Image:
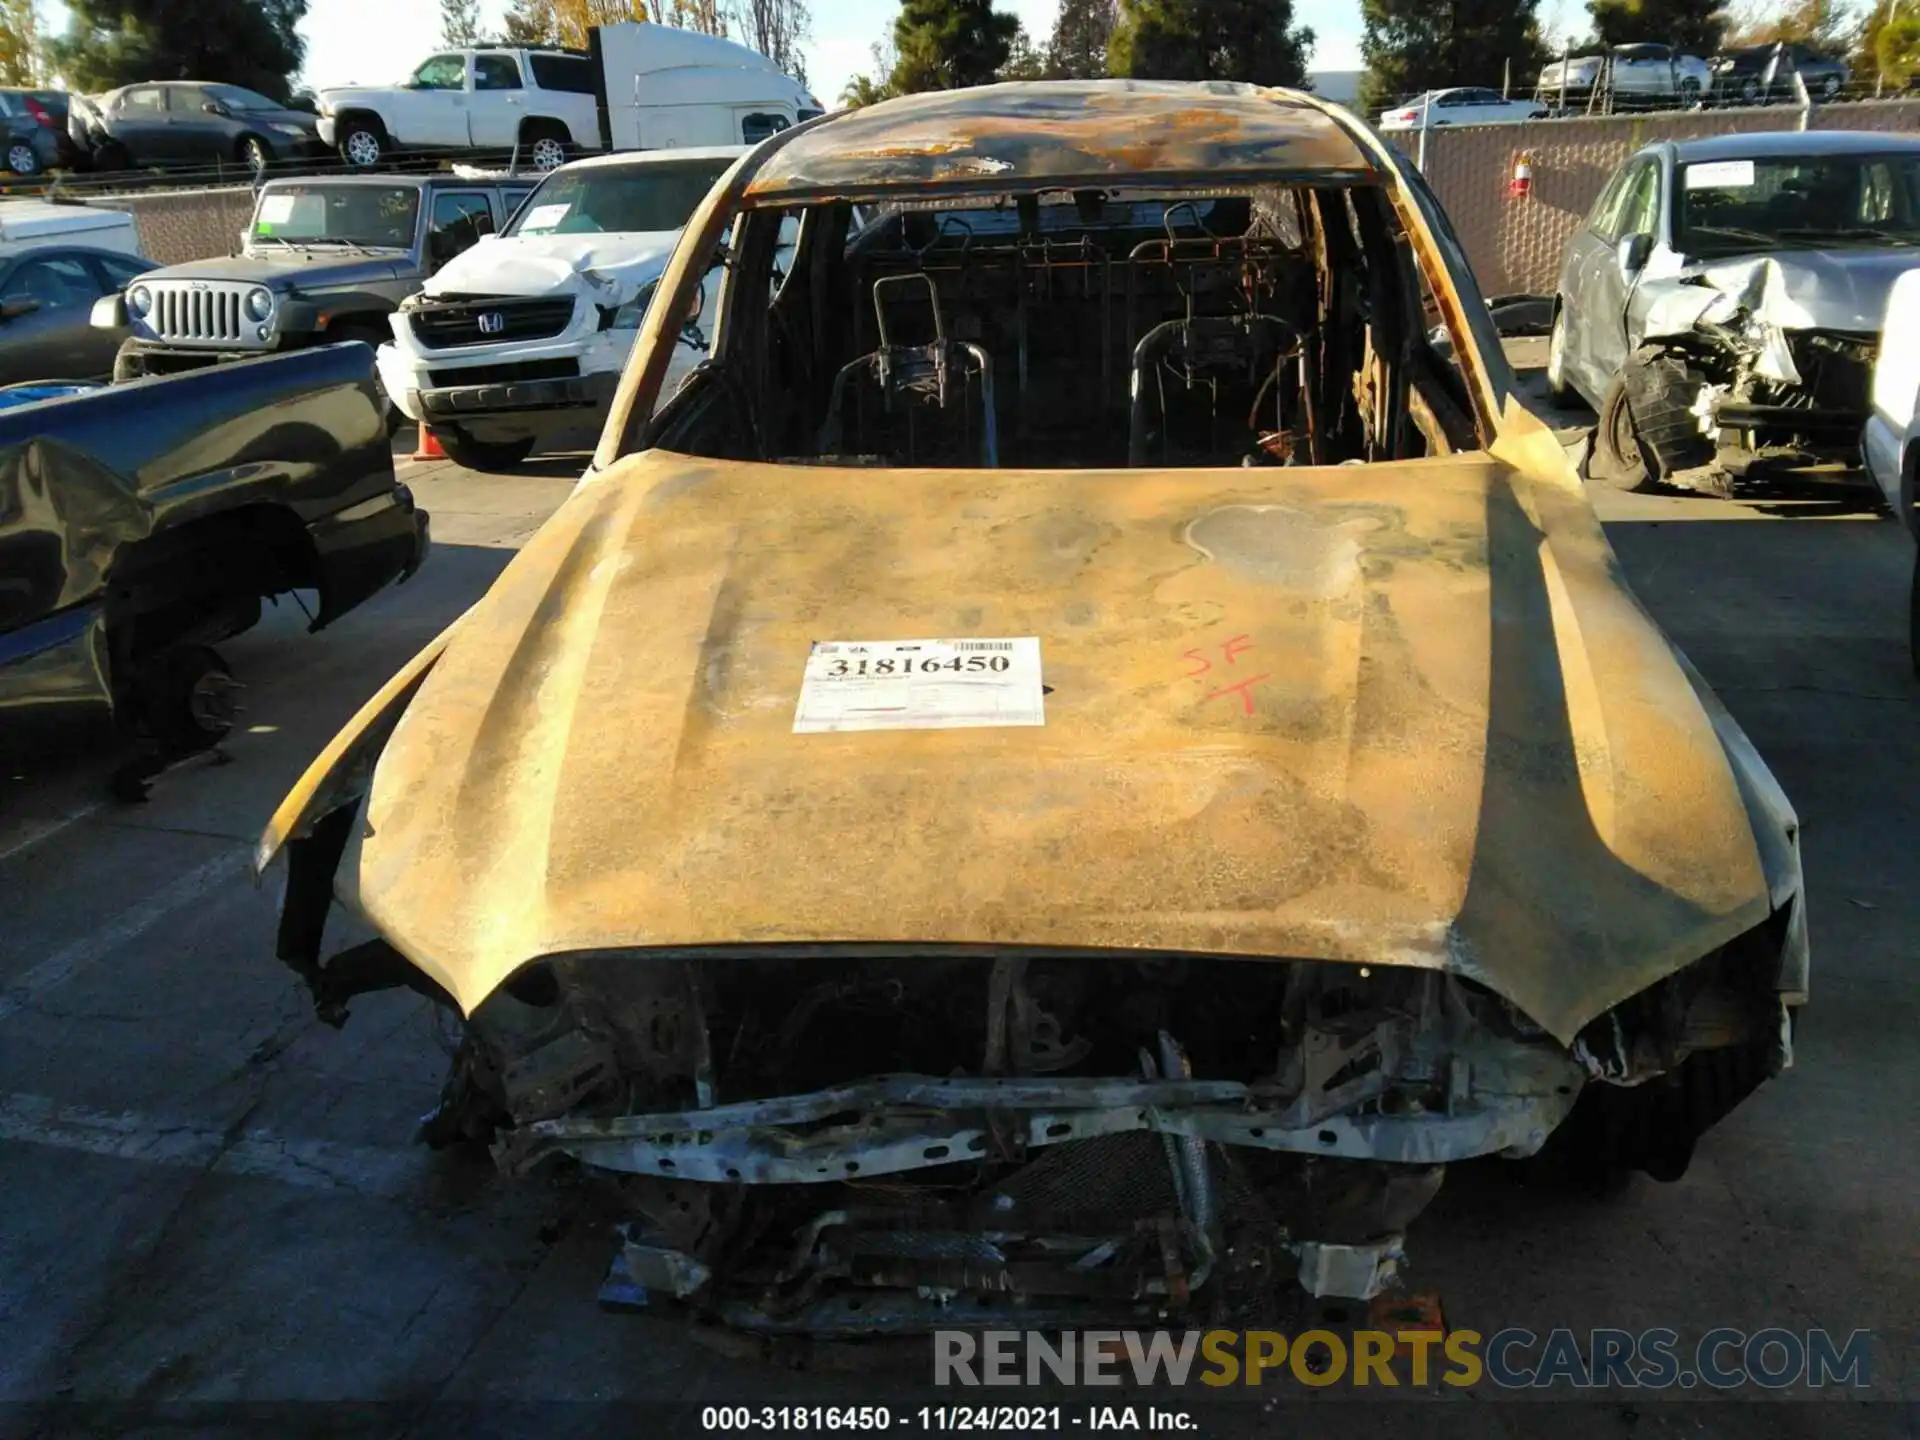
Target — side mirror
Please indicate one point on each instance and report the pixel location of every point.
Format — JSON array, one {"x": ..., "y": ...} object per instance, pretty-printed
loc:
[
  {"x": 214, "y": 107},
  {"x": 1632, "y": 253},
  {"x": 15, "y": 306}
]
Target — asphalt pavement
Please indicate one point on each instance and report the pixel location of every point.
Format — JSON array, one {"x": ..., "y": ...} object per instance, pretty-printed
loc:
[{"x": 211, "y": 1196}]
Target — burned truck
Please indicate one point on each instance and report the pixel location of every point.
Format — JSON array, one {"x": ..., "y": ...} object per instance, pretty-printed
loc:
[
  {"x": 1076, "y": 763},
  {"x": 1724, "y": 300}
]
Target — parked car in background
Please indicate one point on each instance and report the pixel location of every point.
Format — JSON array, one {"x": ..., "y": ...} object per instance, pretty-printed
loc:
[
  {"x": 140, "y": 525},
  {"x": 31, "y": 224},
  {"x": 1734, "y": 288},
  {"x": 174, "y": 124},
  {"x": 36, "y": 131},
  {"x": 325, "y": 259},
  {"x": 1239, "y": 797},
  {"x": 1463, "y": 105},
  {"x": 662, "y": 88},
  {"x": 528, "y": 332},
  {"x": 1761, "y": 74},
  {"x": 47, "y": 295},
  {"x": 1638, "y": 77}
]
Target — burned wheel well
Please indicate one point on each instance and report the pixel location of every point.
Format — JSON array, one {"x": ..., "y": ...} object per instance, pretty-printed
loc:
[{"x": 203, "y": 580}]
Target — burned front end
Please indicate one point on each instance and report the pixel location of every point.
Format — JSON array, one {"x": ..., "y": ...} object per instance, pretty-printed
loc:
[
  {"x": 1731, "y": 367},
  {"x": 863, "y": 1140}
]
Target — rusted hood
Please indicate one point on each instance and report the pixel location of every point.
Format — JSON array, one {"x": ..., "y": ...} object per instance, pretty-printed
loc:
[{"x": 1402, "y": 714}]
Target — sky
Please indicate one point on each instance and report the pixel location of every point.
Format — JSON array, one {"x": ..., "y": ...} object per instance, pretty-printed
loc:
[{"x": 346, "y": 46}]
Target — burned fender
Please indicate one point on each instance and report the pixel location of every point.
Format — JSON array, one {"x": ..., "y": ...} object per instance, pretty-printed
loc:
[{"x": 314, "y": 826}]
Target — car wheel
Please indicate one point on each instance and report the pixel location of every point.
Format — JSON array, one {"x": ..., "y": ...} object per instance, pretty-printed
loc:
[
  {"x": 1749, "y": 91},
  {"x": 1830, "y": 88},
  {"x": 112, "y": 155},
  {"x": 1690, "y": 94},
  {"x": 1557, "y": 388},
  {"x": 546, "y": 149},
  {"x": 187, "y": 699},
  {"x": 21, "y": 159},
  {"x": 473, "y": 454},
  {"x": 363, "y": 143},
  {"x": 254, "y": 154},
  {"x": 1614, "y": 459}
]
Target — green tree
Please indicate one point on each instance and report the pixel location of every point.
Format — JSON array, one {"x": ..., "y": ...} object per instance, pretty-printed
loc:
[
  {"x": 1896, "y": 50},
  {"x": 1254, "y": 41},
  {"x": 1025, "y": 60},
  {"x": 20, "y": 57},
  {"x": 950, "y": 44},
  {"x": 1082, "y": 30},
  {"x": 459, "y": 23},
  {"x": 110, "y": 43},
  {"x": 1416, "y": 45},
  {"x": 1695, "y": 26},
  {"x": 871, "y": 89}
]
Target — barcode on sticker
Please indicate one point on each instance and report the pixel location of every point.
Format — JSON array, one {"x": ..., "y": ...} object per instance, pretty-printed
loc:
[{"x": 983, "y": 645}]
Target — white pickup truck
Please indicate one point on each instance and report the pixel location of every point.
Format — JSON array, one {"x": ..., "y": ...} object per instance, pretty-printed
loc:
[
  {"x": 1890, "y": 444},
  {"x": 640, "y": 86}
]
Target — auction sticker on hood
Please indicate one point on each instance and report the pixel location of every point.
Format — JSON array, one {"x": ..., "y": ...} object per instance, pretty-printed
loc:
[{"x": 920, "y": 685}]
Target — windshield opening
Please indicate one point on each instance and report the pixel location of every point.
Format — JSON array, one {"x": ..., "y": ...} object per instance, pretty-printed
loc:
[
  {"x": 1726, "y": 207},
  {"x": 640, "y": 199},
  {"x": 338, "y": 215}
]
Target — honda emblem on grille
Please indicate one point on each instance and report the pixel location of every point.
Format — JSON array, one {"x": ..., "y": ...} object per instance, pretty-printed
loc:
[{"x": 492, "y": 322}]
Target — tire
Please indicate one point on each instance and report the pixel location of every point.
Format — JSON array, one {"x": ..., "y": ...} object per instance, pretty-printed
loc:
[
  {"x": 363, "y": 143},
  {"x": 1689, "y": 94},
  {"x": 254, "y": 153},
  {"x": 545, "y": 144},
  {"x": 112, "y": 155},
  {"x": 1830, "y": 88},
  {"x": 22, "y": 159},
  {"x": 483, "y": 455},
  {"x": 1558, "y": 390},
  {"x": 1749, "y": 91},
  {"x": 1614, "y": 459},
  {"x": 186, "y": 699}
]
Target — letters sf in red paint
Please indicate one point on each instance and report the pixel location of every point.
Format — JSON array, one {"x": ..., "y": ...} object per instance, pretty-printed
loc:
[{"x": 1230, "y": 652}]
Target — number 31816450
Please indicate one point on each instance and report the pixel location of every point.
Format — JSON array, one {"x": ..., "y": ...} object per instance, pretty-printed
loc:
[{"x": 930, "y": 665}]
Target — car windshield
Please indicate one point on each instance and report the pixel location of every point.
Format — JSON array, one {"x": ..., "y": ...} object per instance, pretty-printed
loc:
[
  {"x": 1729, "y": 207},
  {"x": 379, "y": 215},
  {"x": 632, "y": 198},
  {"x": 234, "y": 98}
]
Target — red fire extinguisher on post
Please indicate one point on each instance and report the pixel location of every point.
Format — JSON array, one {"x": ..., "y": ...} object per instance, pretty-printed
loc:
[{"x": 1521, "y": 185}]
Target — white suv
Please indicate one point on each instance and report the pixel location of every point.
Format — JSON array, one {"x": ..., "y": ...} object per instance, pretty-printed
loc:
[
  {"x": 540, "y": 100},
  {"x": 527, "y": 332}
]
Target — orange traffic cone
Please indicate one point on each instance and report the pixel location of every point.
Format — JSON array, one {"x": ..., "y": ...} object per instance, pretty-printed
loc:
[{"x": 427, "y": 447}]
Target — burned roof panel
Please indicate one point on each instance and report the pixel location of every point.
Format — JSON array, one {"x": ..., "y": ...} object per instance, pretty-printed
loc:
[{"x": 1065, "y": 132}]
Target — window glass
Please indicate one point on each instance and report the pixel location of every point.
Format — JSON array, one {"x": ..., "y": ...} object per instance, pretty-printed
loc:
[
  {"x": 442, "y": 72},
  {"x": 496, "y": 72},
  {"x": 121, "y": 270},
  {"x": 323, "y": 214},
  {"x": 562, "y": 72},
  {"x": 644, "y": 198},
  {"x": 144, "y": 100},
  {"x": 758, "y": 126},
  {"x": 57, "y": 282},
  {"x": 1640, "y": 205},
  {"x": 1737, "y": 206},
  {"x": 458, "y": 220},
  {"x": 235, "y": 98}
]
